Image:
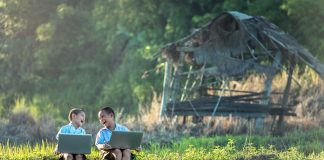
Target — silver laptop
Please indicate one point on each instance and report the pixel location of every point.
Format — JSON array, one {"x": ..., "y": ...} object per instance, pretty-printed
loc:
[
  {"x": 74, "y": 143},
  {"x": 126, "y": 140}
]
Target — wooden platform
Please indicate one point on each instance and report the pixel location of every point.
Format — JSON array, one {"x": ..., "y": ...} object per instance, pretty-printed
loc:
[{"x": 246, "y": 106}]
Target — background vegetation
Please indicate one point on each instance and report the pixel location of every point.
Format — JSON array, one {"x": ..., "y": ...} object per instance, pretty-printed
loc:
[
  {"x": 64, "y": 53},
  {"x": 59, "y": 54}
]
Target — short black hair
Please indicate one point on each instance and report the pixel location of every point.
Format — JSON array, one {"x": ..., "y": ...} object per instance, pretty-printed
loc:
[
  {"x": 108, "y": 110},
  {"x": 75, "y": 111}
]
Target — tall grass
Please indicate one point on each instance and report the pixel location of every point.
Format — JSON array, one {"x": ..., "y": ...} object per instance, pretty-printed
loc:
[
  {"x": 295, "y": 145},
  {"x": 43, "y": 150}
]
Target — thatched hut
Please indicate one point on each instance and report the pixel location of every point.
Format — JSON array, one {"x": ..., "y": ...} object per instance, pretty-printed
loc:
[{"x": 230, "y": 47}]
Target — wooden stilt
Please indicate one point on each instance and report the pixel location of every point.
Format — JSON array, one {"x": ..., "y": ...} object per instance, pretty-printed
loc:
[
  {"x": 285, "y": 98},
  {"x": 176, "y": 81},
  {"x": 259, "y": 121},
  {"x": 166, "y": 87}
]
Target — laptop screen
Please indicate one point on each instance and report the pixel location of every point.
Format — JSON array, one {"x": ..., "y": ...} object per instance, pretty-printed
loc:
[
  {"x": 73, "y": 143},
  {"x": 126, "y": 140}
]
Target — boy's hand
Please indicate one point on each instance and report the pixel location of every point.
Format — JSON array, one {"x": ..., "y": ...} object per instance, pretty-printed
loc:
[{"x": 107, "y": 146}]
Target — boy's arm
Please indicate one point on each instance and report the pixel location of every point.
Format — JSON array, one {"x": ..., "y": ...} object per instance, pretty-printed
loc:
[
  {"x": 101, "y": 143},
  {"x": 103, "y": 146},
  {"x": 100, "y": 146},
  {"x": 59, "y": 132},
  {"x": 62, "y": 130}
]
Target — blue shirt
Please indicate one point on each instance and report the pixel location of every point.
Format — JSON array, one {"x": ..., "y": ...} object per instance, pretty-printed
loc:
[
  {"x": 104, "y": 134},
  {"x": 70, "y": 129}
]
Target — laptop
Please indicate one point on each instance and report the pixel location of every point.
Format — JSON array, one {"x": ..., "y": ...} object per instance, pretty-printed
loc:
[
  {"x": 74, "y": 143},
  {"x": 126, "y": 139}
]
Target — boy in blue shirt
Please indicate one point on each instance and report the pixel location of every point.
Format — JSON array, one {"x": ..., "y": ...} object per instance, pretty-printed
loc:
[
  {"x": 77, "y": 119},
  {"x": 107, "y": 118}
]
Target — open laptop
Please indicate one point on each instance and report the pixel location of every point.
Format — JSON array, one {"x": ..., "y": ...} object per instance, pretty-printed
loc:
[
  {"x": 74, "y": 143},
  {"x": 126, "y": 140}
]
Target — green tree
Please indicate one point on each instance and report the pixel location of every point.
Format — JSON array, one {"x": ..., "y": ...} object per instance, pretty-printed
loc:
[
  {"x": 308, "y": 23},
  {"x": 90, "y": 53},
  {"x": 17, "y": 48}
]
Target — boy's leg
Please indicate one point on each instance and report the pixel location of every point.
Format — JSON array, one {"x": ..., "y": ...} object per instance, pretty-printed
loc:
[
  {"x": 67, "y": 156},
  {"x": 126, "y": 154},
  {"x": 79, "y": 157},
  {"x": 118, "y": 153},
  {"x": 108, "y": 155}
]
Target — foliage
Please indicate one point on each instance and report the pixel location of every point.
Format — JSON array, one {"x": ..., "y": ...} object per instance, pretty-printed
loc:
[
  {"x": 93, "y": 53},
  {"x": 306, "y": 16}
]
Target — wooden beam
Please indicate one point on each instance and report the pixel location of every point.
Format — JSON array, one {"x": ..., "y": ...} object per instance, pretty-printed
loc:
[
  {"x": 221, "y": 113},
  {"x": 166, "y": 86}
]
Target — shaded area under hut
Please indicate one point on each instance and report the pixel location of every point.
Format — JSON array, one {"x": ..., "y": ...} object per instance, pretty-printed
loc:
[{"x": 230, "y": 47}]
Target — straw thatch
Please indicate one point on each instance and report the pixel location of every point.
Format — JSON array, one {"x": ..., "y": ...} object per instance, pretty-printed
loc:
[{"x": 234, "y": 43}]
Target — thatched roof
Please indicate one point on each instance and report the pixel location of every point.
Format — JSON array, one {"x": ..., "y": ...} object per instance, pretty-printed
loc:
[{"x": 234, "y": 43}]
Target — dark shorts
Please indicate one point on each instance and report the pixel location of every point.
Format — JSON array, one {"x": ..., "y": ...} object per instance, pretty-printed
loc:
[
  {"x": 107, "y": 155},
  {"x": 62, "y": 158}
]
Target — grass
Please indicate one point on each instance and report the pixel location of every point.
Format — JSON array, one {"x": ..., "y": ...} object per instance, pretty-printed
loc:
[{"x": 294, "y": 145}]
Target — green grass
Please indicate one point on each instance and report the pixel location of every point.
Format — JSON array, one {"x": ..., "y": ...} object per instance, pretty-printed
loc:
[{"x": 295, "y": 145}]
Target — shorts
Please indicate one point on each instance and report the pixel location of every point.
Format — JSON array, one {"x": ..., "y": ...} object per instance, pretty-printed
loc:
[{"x": 83, "y": 156}]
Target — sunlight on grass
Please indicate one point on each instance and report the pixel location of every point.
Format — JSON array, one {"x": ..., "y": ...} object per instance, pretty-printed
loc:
[{"x": 189, "y": 148}]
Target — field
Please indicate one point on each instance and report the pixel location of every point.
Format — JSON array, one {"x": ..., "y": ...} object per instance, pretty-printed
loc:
[
  {"x": 229, "y": 138},
  {"x": 293, "y": 145}
]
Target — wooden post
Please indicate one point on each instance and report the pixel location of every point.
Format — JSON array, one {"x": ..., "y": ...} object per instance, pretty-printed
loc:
[
  {"x": 175, "y": 87},
  {"x": 201, "y": 92},
  {"x": 285, "y": 97},
  {"x": 166, "y": 86},
  {"x": 259, "y": 122},
  {"x": 184, "y": 92},
  {"x": 268, "y": 82}
]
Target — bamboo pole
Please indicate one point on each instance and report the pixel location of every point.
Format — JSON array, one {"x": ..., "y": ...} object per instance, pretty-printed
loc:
[{"x": 166, "y": 86}]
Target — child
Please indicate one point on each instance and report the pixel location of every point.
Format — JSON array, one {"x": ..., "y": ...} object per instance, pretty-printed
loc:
[
  {"x": 107, "y": 118},
  {"x": 77, "y": 119}
]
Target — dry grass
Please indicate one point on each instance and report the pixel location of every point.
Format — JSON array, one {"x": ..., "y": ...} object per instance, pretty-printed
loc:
[
  {"x": 309, "y": 110},
  {"x": 307, "y": 91}
]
